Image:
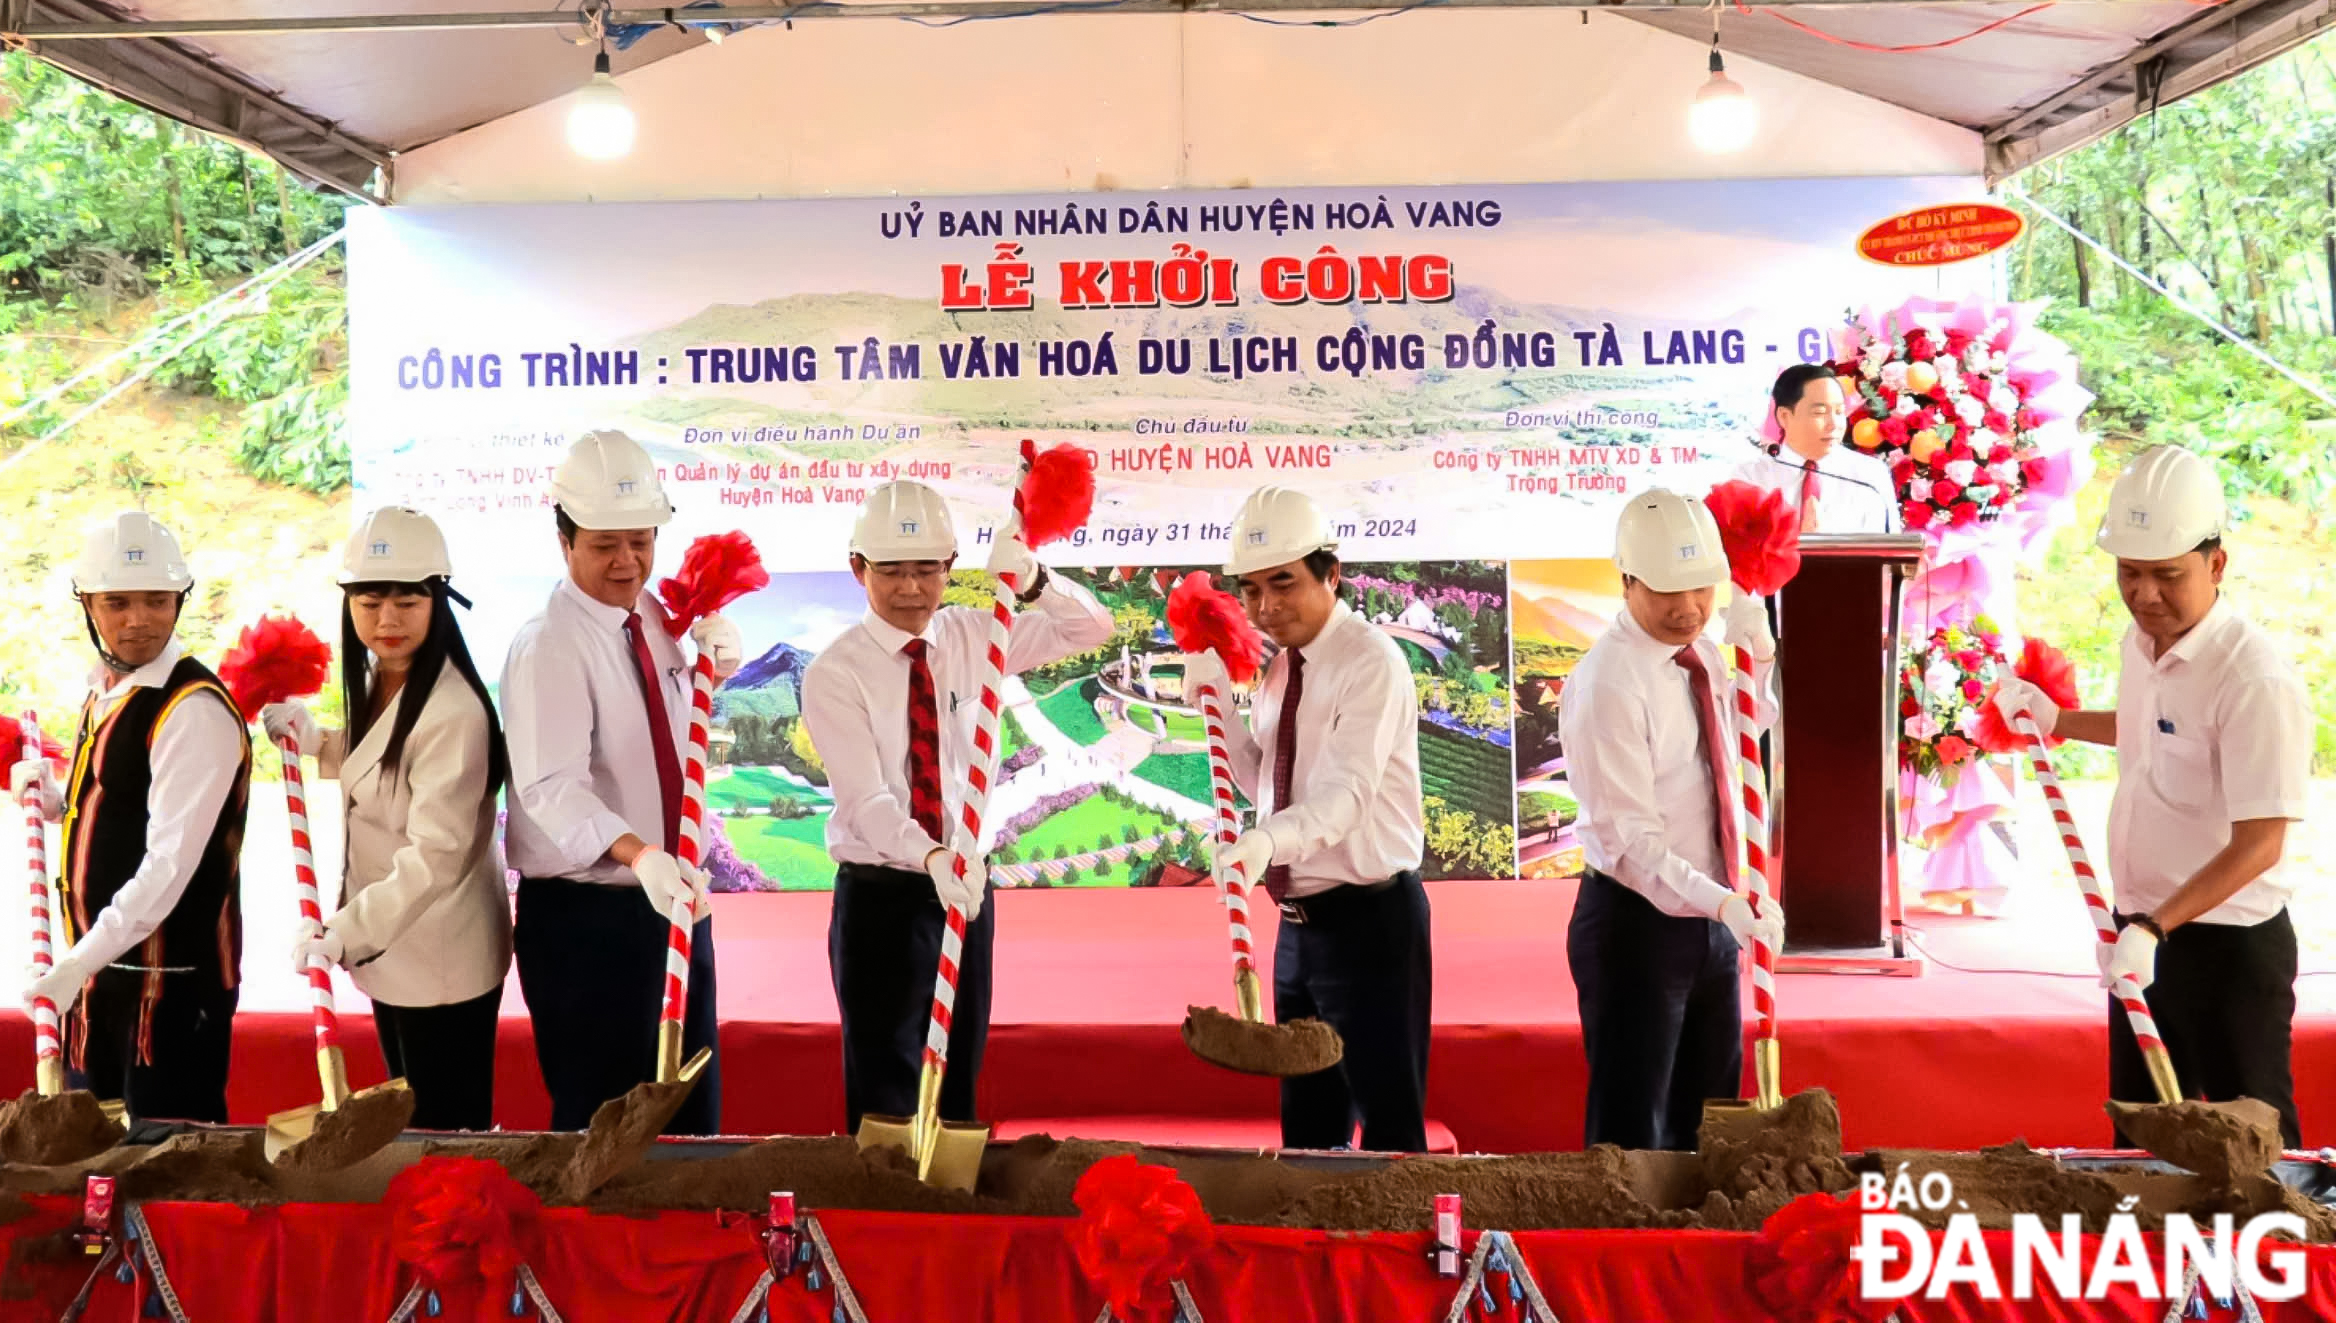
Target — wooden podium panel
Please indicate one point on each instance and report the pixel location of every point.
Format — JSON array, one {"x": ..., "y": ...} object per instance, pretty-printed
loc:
[{"x": 1834, "y": 757}]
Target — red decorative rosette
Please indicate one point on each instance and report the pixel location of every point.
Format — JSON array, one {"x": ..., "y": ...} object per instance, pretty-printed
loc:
[
  {"x": 717, "y": 570},
  {"x": 12, "y": 743},
  {"x": 456, "y": 1220},
  {"x": 1760, "y": 533},
  {"x": 1057, "y": 492},
  {"x": 1205, "y": 618},
  {"x": 1138, "y": 1228},
  {"x": 1801, "y": 1269},
  {"x": 2047, "y": 668},
  {"x": 274, "y": 660}
]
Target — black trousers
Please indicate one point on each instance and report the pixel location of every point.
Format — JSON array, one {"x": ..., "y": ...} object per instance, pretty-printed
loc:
[
  {"x": 592, "y": 967},
  {"x": 2224, "y": 1000},
  {"x": 1661, "y": 1022},
  {"x": 883, "y": 955},
  {"x": 184, "y": 1076},
  {"x": 1359, "y": 962},
  {"x": 447, "y": 1055}
]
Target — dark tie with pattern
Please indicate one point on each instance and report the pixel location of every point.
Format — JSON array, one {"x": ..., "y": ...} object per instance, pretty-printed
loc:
[
  {"x": 924, "y": 742},
  {"x": 1285, "y": 761},
  {"x": 660, "y": 731},
  {"x": 1715, "y": 752}
]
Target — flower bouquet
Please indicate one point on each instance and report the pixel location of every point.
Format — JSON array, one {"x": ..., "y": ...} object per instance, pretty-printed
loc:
[{"x": 1942, "y": 692}]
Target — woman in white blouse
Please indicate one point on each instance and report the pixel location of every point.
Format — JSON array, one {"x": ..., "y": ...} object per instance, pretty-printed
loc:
[{"x": 424, "y": 925}]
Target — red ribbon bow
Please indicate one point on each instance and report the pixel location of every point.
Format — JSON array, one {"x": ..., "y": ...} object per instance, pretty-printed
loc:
[
  {"x": 1800, "y": 1267},
  {"x": 460, "y": 1219},
  {"x": 1139, "y": 1226}
]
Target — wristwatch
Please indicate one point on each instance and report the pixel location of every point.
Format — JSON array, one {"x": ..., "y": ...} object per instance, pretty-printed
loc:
[
  {"x": 1037, "y": 586},
  {"x": 2150, "y": 925}
]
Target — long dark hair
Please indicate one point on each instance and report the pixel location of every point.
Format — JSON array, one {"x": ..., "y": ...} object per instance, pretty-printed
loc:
[{"x": 441, "y": 646}]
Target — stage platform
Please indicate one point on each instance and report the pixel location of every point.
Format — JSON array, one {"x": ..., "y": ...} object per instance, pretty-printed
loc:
[{"x": 1092, "y": 985}]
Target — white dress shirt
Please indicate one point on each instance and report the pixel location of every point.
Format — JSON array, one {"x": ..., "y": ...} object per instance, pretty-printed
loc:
[
  {"x": 1855, "y": 492},
  {"x": 1354, "y": 786},
  {"x": 1637, "y": 764},
  {"x": 196, "y": 752},
  {"x": 583, "y": 769},
  {"x": 2216, "y": 731},
  {"x": 855, "y": 704},
  {"x": 425, "y": 917}
]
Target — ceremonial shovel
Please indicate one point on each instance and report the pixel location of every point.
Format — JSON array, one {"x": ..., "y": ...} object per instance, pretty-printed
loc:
[
  {"x": 275, "y": 661},
  {"x": 1055, "y": 493}
]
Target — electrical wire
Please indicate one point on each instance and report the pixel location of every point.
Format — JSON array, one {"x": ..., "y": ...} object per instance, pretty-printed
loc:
[
  {"x": 1916, "y": 938},
  {"x": 1857, "y": 45}
]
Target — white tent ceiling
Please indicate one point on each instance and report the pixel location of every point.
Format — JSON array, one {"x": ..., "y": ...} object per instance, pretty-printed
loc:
[{"x": 355, "y": 83}]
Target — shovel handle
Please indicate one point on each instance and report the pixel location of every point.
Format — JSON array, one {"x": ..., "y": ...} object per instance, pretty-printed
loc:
[
  {"x": 980, "y": 775},
  {"x": 47, "y": 1041},
  {"x": 691, "y": 850},
  {"x": 2126, "y": 990},
  {"x": 1753, "y": 775},
  {"x": 322, "y": 1018},
  {"x": 1232, "y": 882}
]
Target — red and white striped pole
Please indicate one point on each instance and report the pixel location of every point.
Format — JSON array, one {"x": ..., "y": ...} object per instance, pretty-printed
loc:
[
  {"x": 980, "y": 773},
  {"x": 1753, "y": 774},
  {"x": 48, "y": 1044},
  {"x": 692, "y": 851},
  {"x": 1232, "y": 883},
  {"x": 330, "y": 1067},
  {"x": 2127, "y": 992}
]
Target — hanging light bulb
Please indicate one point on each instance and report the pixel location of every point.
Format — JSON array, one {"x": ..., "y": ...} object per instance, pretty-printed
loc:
[
  {"x": 1723, "y": 119},
  {"x": 600, "y": 124}
]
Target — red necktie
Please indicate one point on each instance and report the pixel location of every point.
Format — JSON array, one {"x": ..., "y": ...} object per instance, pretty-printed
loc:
[
  {"x": 660, "y": 730},
  {"x": 924, "y": 741},
  {"x": 1809, "y": 496},
  {"x": 1715, "y": 748},
  {"x": 1285, "y": 763}
]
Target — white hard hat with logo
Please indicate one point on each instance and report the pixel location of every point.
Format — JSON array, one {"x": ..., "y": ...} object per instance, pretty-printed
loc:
[
  {"x": 904, "y": 520},
  {"x": 396, "y": 545},
  {"x": 2162, "y": 506},
  {"x": 1669, "y": 542},
  {"x": 1276, "y": 525},
  {"x": 131, "y": 553},
  {"x": 608, "y": 482}
]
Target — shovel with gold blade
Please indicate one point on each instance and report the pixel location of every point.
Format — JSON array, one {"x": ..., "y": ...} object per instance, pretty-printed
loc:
[
  {"x": 1052, "y": 499},
  {"x": 276, "y": 660}
]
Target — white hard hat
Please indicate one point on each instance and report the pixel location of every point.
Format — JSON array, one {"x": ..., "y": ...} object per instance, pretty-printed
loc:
[
  {"x": 2162, "y": 506},
  {"x": 131, "y": 553},
  {"x": 609, "y": 482},
  {"x": 1669, "y": 542},
  {"x": 395, "y": 545},
  {"x": 1276, "y": 525},
  {"x": 904, "y": 520}
]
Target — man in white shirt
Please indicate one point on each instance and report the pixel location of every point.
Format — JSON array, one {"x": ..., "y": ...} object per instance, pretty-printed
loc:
[
  {"x": 891, "y": 709},
  {"x": 596, "y": 702},
  {"x": 2213, "y": 732},
  {"x": 1659, "y": 926},
  {"x": 1333, "y": 768},
  {"x": 1835, "y": 488},
  {"x": 154, "y": 816}
]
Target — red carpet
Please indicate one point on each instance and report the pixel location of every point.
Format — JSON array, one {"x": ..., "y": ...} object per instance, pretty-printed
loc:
[{"x": 1093, "y": 984}]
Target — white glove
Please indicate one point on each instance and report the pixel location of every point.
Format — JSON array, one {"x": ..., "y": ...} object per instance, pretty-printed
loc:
[
  {"x": 961, "y": 893},
  {"x": 1206, "y": 668},
  {"x": 1763, "y": 926},
  {"x": 1010, "y": 556},
  {"x": 718, "y": 641},
  {"x": 667, "y": 880},
  {"x": 315, "y": 940},
  {"x": 2016, "y": 695},
  {"x": 61, "y": 984},
  {"x": 291, "y": 719},
  {"x": 36, "y": 774},
  {"x": 1747, "y": 627},
  {"x": 1251, "y": 852},
  {"x": 2136, "y": 953}
]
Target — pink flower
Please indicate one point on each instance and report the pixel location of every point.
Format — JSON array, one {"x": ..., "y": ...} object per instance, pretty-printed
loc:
[{"x": 1921, "y": 726}]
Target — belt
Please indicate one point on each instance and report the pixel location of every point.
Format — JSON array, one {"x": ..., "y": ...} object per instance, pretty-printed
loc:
[{"x": 1323, "y": 905}]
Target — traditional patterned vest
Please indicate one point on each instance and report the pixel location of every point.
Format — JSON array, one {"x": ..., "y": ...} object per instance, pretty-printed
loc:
[{"x": 105, "y": 842}]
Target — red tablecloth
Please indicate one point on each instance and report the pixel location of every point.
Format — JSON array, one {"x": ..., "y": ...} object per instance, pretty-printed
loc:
[{"x": 332, "y": 1264}]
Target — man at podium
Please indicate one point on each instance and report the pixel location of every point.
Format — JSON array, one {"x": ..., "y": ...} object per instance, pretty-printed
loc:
[{"x": 1836, "y": 489}]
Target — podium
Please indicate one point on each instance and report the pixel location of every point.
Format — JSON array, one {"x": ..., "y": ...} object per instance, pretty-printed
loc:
[{"x": 1833, "y": 756}]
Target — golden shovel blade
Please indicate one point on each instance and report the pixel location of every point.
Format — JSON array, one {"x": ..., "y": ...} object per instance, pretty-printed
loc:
[{"x": 1732, "y": 1116}]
